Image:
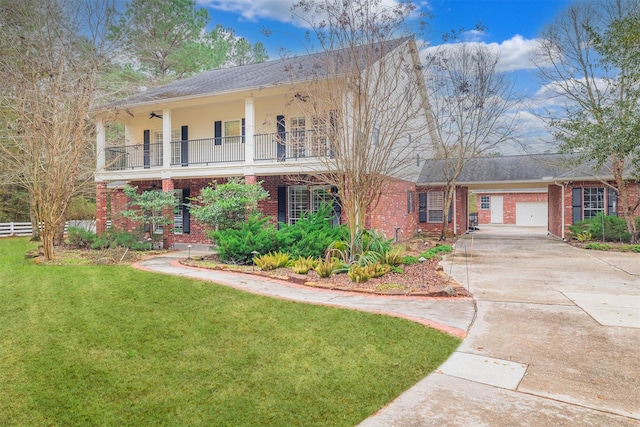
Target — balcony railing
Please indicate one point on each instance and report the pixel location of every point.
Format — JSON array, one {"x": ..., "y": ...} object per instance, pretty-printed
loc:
[
  {"x": 139, "y": 156},
  {"x": 207, "y": 151},
  {"x": 281, "y": 146},
  {"x": 294, "y": 145}
]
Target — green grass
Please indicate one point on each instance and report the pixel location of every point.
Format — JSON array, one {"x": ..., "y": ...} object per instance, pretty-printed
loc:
[{"x": 111, "y": 345}]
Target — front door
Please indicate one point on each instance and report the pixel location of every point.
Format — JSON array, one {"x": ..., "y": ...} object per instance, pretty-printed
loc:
[{"x": 496, "y": 209}]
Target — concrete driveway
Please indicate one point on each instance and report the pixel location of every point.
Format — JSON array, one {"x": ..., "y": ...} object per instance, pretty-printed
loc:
[{"x": 556, "y": 340}]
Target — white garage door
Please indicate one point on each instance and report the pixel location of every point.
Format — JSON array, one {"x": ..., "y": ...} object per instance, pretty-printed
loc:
[{"x": 531, "y": 214}]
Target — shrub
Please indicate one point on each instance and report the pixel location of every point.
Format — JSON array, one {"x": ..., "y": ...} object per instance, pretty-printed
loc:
[
  {"x": 436, "y": 251},
  {"x": 359, "y": 274},
  {"x": 272, "y": 260},
  {"x": 368, "y": 247},
  {"x": 597, "y": 246},
  {"x": 237, "y": 246},
  {"x": 611, "y": 228},
  {"x": 409, "y": 260},
  {"x": 311, "y": 235},
  {"x": 80, "y": 238},
  {"x": 326, "y": 267},
  {"x": 303, "y": 265},
  {"x": 119, "y": 239},
  {"x": 583, "y": 236},
  {"x": 393, "y": 258},
  {"x": 396, "y": 269}
]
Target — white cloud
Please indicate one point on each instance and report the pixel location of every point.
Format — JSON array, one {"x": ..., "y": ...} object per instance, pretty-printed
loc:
[
  {"x": 515, "y": 53},
  {"x": 274, "y": 10}
]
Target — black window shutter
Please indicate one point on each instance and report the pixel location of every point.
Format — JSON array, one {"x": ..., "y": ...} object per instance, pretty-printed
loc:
[
  {"x": 282, "y": 205},
  {"x": 184, "y": 146},
  {"x": 281, "y": 154},
  {"x": 217, "y": 132},
  {"x": 450, "y": 214},
  {"x": 146, "y": 148},
  {"x": 186, "y": 215},
  {"x": 243, "y": 132},
  {"x": 422, "y": 207},
  {"x": 612, "y": 202},
  {"x": 576, "y": 205}
]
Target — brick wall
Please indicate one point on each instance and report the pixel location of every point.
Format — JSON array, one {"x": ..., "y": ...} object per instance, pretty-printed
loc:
[
  {"x": 392, "y": 211},
  {"x": 509, "y": 205},
  {"x": 555, "y": 210}
]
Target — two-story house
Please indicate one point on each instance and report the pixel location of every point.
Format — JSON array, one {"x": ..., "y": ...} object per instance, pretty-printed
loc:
[{"x": 247, "y": 121}]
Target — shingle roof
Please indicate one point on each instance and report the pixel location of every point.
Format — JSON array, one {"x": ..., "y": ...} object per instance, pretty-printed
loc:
[
  {"x": 532, "y": 167},
  {"x": 252, "y": 76}
]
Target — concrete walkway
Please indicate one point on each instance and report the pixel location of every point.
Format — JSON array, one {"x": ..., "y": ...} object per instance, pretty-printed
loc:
[{"x": 556, "y": 341}]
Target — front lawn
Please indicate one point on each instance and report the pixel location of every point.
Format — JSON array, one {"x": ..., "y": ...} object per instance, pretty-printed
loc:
[{"x": 110, "y": 345}]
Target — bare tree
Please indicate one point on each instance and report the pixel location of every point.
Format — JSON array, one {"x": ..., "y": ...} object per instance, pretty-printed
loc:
[
  {"x": 470, "y": 103},
  {"x": 588, "y": 60},
  {"x": 365, "y": 100},
  {"x": 52, "y": 52}
]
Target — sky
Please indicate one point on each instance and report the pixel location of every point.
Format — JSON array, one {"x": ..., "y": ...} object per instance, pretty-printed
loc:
[{"x": 509, "y": 26}]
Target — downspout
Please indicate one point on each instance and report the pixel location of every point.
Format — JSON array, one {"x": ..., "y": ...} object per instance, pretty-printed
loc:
[
  {"x": 562, "y": 213},
  {"x": 455, "y": 211}
]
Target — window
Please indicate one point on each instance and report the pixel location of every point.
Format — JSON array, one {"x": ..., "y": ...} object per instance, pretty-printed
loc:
[
  {"x": 320, "y": 130},
  {"x": 435, "y": 206},
  {"x": 298, "y": 202},
  {"x": 298, "y": 125},
  {"x": 178, "y": 212},
  {"x": 320, "y": 195},
  {"x": 176, "y": 136},
  {"x": 233, "y": 131},
  {"x": 593, "y": 201},
  {"x": 485, "y": 202}
]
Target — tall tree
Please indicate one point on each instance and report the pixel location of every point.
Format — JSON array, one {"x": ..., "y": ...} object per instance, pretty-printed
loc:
[
  {"x": 167, "y": 39},
  {"x": 52, "y": 52},
  {"x": 470, "y": 101},
  {"x": 589, "y": 58},
  {"x": 368, "y": 117}
]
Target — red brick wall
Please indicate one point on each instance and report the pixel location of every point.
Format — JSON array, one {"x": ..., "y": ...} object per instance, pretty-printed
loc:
[
  {"x": 509, "y": 205},
  {"x": 555, "y": 210},
  {"x": 101, "y": 207},
  {"x": 392, "y": 211}
]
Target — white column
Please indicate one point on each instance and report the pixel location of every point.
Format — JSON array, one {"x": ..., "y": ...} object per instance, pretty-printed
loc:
[
  {"x": 166, "y": 138},
  {"x": 249, "y": 130},
  {"x": 100, "y": 145},
  {"x": 455, "y": 211}
]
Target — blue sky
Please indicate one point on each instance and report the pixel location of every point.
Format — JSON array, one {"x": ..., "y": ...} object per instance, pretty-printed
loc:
[{"x": 510, "y": 27}]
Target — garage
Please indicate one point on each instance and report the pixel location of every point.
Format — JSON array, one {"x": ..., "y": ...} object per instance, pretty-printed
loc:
[{"x": 531, "y": 214}]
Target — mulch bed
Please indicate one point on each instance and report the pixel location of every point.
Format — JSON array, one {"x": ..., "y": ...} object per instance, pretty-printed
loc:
[{"x": 425, "y": 279}]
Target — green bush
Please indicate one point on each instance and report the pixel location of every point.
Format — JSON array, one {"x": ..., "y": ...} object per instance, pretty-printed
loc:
[
  {"x": 119, "y": 239},
  {"x": 597, "y": 246},
  {"x": 238, "y": 246},
  {"x": 409, "y": 260},
  {"x": 311, "y": 235},
  {"x": 368, "y": 247},
  {"x": 326, "y": 267},
  {"x": 303, "y": 265},
  {"x": 436, "y": 251},
  {"x": 272, "y": 260},
  {"x": 609, "y": 228},
  {"x": 80, "y": 238},
  {"x": 361, "y": 274},
  {"x": 393, "y": 258}
]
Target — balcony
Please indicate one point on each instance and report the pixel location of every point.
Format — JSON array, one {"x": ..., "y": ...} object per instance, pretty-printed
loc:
[{"x": 271, "y": 147}]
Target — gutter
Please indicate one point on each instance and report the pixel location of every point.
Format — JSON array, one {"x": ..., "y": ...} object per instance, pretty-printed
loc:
[{"x": 562, "y": 216}]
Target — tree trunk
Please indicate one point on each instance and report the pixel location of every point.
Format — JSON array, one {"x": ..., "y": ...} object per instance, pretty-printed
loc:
[
  {"x": 35, "y": 229},
  {"x": 47, "y": 234},
  {"x": 448, "y": 196}
]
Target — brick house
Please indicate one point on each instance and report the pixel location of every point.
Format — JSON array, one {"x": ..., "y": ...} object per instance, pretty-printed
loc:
[
  {"x": 545, "y": 190},
  {"x": 245, "y": 122}
]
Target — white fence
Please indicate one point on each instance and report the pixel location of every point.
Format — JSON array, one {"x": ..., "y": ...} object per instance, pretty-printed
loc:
[{"x": 24, "y": 228}]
